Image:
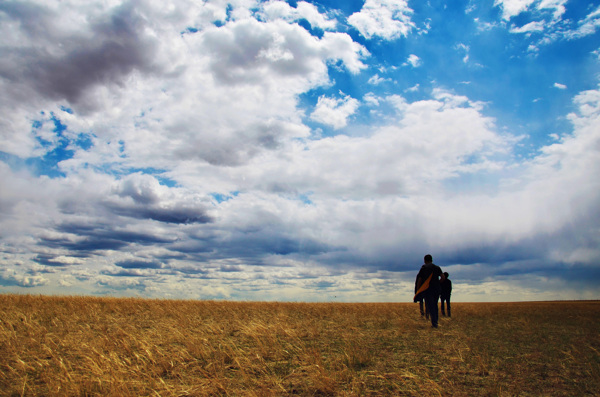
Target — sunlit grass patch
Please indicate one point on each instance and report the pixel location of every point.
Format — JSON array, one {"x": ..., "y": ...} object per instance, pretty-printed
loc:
[{"x": 134, "y": 347}]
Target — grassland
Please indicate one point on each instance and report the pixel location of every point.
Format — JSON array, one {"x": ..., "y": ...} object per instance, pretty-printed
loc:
[{"x": 84, "y": 346}]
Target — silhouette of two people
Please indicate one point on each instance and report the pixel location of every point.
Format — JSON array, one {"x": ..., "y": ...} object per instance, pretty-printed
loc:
[{"x": 429, "y": 287}]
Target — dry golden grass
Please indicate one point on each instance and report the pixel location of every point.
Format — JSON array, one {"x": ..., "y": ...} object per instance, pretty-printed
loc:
[{"x": 84, "y": 346}]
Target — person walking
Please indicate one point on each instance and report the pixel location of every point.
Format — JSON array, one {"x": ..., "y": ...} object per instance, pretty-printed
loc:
[
  {"x": 423, "y": 310},
  {"x": 429, "y": 278},
  {"x": 445, "y": 295}
]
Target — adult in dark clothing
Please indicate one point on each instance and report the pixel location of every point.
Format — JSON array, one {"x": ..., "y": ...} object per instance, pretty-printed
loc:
[
  {"x": 421, "y": 299},
  {"x": 429, "y": 279},
  {"x": 446, "y": 292}
]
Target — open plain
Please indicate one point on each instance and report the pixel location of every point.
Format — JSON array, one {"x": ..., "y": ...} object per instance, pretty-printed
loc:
[{"x": 87, "y": 346}]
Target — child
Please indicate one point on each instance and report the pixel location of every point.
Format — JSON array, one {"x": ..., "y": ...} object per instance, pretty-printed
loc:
[{"x": 446, "y": 292}]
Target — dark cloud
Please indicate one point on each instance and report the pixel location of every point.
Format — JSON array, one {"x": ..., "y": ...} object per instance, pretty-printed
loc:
[
  {"x": 180, "y": 214},
  {"x": 172, "y": 215},
  {"x": 322, "y": 285},
  {"x": 231, "y": 269},
  {"x": 495, "y": 253},
  {"x": 186, "y": 248},
  {"x": 87, "y": 245},
  {"x": 138, "y": 264},
  {"x": 49, "y": 260},
  {"x": 270, "y": 242},
  {"x": 100, "y": 231},
  {"x": 92, "y": 238},
  {"x": 577, "y": 273},
  {"x": 115, "y": 47},
  {"x": 189, "y": 271}
]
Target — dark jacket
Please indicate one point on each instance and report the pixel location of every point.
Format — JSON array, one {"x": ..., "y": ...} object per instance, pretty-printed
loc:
[
  {"x": 426, "y": 270},
  {"x": 446, "y": 288}
]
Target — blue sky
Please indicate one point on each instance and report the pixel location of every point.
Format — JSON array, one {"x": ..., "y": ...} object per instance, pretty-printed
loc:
[{"x": 300, "y": 151}]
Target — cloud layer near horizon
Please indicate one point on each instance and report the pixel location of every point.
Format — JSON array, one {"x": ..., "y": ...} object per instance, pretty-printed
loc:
[{"x": 209, "y": 150}]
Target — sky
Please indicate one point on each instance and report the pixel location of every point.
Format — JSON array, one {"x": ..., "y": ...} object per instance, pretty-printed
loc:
[{"x": 300, "y": 151}]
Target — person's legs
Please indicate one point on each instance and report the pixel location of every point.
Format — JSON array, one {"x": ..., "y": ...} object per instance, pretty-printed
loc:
[
  {"x": 448, "y": 306},
  {"x": 431, "y": 300},
  {"x": 421, "y": 307},
  {"x": 443, "y": 311}
]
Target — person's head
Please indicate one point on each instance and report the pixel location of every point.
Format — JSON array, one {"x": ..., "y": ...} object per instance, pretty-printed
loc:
[
  {"x": 428, "y": 259},
  {"x": 446, "y": 274}
]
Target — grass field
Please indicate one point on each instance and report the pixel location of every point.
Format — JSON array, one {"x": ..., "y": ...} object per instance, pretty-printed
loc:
[{"x": 83, "y": 346}]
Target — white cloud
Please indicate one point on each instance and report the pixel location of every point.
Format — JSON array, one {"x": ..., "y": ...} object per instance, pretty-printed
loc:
[
  {"x": 388, "y": 19},
  {"x": 366, "y": 191},
  {"x": 528, "y": 28},
  {"x": 554, "y": 29},
  {"x": 371, "y": 99},
  {"x": 201, "y": 179},
  {"x": 249, "y": 51},
  {"x": 465, "y": 48},
  {"x": 484, "y": 26},
  {"x": 275, "y": 9},
  {"x": 23, "y": 280},
  {"x": 441, "y": 133},
  {"x": 557, "y": 5},
  {"x": 334, "y": 111},
  {"x": 263, "y": 65},
  {"x": 560, "y": 86},
  {"x": 376, "y": 79},
  {"x": 511, "y": 8},
  {"x": 413, "y": 61},
  {"x": 414, "y": 88},
  {"x": 587, "y": 26}
]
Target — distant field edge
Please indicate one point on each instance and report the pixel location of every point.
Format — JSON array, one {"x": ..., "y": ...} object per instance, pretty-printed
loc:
[{"x": 166, "y": 299}]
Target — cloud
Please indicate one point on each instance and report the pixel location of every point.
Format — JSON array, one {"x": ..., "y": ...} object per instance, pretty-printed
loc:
[
  {"x": 334, "y": 112},
  {"x": 184, "y": 166},
  {"x": 528, "y": 28},
  {"x": 587, "y": 26},
  {"x": 465, "y": 48},
  {"x": 414, "y": 61},
  {"x": 376, "y": 79},
  {"x": 113, "y": 47},
  {"x": 553, "y": 28},
  {"x": 273, "y": 10},
  {"x": 137, "y": 264},
  {"x": 247, "y": 51},
  {"x": 10, "y": 277},
  {"x": 369, "y": 229},
  {"x": 557, "y": 5},
  {"x": 142, "y": 197},
  {"x": 387, "y": 19},
  {"x": 209, "y": 66},
  {"x": 560, "y": 86},
  {"x": 511, "y": 8}
]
